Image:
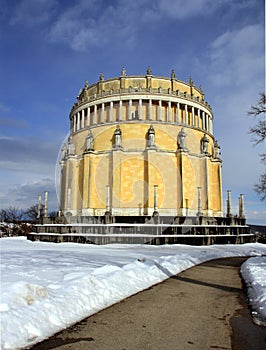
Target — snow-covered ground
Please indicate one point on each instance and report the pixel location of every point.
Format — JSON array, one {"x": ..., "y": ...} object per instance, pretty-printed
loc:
[
  {"x": 254, "y": 273},
  {"x": 46, "y": 287}
]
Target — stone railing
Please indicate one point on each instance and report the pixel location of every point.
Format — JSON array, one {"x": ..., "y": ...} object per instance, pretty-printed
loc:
[{"x": 159, "y": 91}]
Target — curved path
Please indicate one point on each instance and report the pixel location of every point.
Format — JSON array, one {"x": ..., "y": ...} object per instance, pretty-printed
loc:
[{"x": 201, "y": 308}]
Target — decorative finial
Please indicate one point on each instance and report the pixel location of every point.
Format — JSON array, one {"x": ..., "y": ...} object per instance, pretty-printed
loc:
[
  {"x": 101, "y": 77},
  {"x": 149, "y": 71},
  {"x": 86, "y": 84},
  {"x": 173, "y": 74},
  {"x": 123, "y": 72},
  {"x": 191, "y": 81},
  {"x": 80, "y": 91},
  {"x": 201, "y": 91}
]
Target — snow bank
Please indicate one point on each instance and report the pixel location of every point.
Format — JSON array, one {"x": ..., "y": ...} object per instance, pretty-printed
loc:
[
  {"x": 47, "y": 287},
  {"x": 254, "y": 273}
]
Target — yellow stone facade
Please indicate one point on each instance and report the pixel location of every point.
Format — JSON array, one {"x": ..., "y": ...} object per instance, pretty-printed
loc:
[{"x": 131, "y": 133}]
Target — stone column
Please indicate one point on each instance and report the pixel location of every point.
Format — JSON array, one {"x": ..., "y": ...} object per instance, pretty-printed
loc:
[
  {"x": 111, "y": 110},
  {"x": 120, "y": 109},
  {"x": 169, "y": 112},
  {"x": 160, "y": 110},
  {"x": 78, "y": 121},
  {"x": 193, "y": 116},
  {"x": 39, "y": 207},
  {"x": 88, "y": 116},
  {"x": 102, "y": 113},
  {"x": 129, "y": 109},
  {"x": 178, "y": 112},
  {"x": 186, "y": 115},
  {"x": 140, "y": 108},
  {"x": 45, "y": 204},
  {"x": 150, "y": 109},
  {"x": 210, "y": 125},
  {"x": 95, "y": 115},
  {"x": 241, "y": 206},
  {"x": 228, "y": 214},
  {"x": 207, "y": 122},
  {"x": 83, "y": 119},
  {"x": 198, "y": 118},
  {"x": 75, "y": 123},
  {"x": 203, "y": 120}
]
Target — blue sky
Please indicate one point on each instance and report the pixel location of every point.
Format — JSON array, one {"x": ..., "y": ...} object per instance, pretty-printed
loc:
[{"x": 49, "y": 48}]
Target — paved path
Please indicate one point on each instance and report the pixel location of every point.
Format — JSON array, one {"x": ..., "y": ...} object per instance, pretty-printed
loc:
[{"x": 202, "y": 308}]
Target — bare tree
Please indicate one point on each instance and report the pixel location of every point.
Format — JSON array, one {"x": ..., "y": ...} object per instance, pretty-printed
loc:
[
  {"x": 11, "y": 214},
  {"x": 32, "y": 213},
  {"x": 259, "y": 134}
]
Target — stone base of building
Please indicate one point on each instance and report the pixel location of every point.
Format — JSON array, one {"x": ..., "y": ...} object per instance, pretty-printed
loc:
[{"x": 155, "y": 230}]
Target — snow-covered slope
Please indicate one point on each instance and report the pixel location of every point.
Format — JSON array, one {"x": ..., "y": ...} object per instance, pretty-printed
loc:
[{"x": 46, "y": 287}]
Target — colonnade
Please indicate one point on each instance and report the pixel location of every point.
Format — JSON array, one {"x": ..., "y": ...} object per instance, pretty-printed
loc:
[{"x": 142, "y": 109}]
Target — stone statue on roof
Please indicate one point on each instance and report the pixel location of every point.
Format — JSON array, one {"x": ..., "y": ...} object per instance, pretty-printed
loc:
[
  {"x": 101, "y": 77},
  {"x": 173, "y": 74}
]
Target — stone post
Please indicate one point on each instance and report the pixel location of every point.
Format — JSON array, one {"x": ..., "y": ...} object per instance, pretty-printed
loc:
[
  {"x": 228, "y": 204},
  {"x": 108, "y": 201},
  {"x": 155, "y": 189},
  {"x": 46, "y": 204},
  {"x": 186, "y": 200},
  {"x": 39, "y": 207},
  {"x": 108, "y": 214},
  {"x": 199, "y": 202},
  {"x": 241, "y": 206}
]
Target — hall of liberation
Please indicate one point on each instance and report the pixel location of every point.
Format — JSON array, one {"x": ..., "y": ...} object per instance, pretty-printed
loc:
[{"x": 141, "y": 145}]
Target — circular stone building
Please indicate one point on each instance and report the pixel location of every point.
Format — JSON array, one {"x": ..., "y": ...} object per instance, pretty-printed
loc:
[{"x": 141, "y": 146}]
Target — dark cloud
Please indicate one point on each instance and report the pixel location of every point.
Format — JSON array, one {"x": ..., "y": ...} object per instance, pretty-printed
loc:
[{"x": 25, "y": 195}]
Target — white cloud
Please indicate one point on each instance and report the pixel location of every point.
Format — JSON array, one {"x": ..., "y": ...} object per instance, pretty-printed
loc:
[
  {"x": 32, "y": 12},
  {"x": 234, "y": 76},
  {"x": 95, "y": 23},
  {"x": 237, "y": 57},
  {"x": 181, "y": 9}
]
